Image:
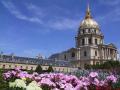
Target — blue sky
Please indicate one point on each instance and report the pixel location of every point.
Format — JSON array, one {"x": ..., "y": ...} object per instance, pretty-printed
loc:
[{"x": 29, "y": 27}]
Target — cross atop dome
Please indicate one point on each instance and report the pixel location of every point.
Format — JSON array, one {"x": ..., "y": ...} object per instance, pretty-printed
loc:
[{"x": 88, "y": 13}]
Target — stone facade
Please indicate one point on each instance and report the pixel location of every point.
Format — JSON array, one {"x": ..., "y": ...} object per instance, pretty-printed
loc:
[
  {"x": 90, "y": 47},
  {"x": 27, "y": 63}
]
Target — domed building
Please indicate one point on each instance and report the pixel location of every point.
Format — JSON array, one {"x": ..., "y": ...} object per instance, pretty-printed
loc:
[{"x": 90, "y": 47}]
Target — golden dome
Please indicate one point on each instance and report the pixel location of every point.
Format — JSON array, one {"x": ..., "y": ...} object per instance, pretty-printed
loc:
[{"x": 88, "y": 22}]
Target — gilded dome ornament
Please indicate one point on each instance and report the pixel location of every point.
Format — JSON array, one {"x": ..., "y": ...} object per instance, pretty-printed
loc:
[{"x": 88, "y": 22}]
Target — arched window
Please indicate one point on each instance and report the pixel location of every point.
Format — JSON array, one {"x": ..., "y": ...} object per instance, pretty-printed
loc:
[
  {"x": 95, "y": 53},
  {"x": 85, "y": 53},
  {"x": 73, "y": 54}
]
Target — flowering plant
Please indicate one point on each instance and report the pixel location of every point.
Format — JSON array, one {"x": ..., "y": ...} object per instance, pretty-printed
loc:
[{"x": 56, "y": 81}]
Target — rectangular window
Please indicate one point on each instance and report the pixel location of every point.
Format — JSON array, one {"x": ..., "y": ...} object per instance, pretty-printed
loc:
[
  {"x": 90, "y": 41},
  {"x": 89, "y": 31},
  {"x": 83, "y": 41},
  {"x": 95, "y": 53},
  {"x": 85, "y": 53},
  {"x": 83, "y": 31}
]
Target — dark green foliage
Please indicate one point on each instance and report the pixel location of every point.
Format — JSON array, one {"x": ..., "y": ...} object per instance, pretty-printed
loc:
[
  {"x": 116, "y": 85},
  {"x": 106, "y": 65},
  {"x": 15, "y": 89},
  {"x": 50, "y": 69},
  {"x": 3, "y": 83},
  {"x": 38, "y": 69},
  {"x": 45, "y": 87},
  {"x": 87, "y": 66}
]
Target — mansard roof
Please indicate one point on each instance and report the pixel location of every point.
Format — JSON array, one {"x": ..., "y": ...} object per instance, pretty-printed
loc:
[{"x": 36, "y": 61}]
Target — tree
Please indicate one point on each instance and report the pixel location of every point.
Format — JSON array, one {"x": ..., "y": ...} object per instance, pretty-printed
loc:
[
  {"x": 87, "y": 66},
  {"x": 50, "y": 69},
  {"x": 106, "y": 65},
  {"x": 38, "y": 69}
]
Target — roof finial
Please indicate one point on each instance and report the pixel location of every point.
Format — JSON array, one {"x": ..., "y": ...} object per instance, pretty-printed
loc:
[{"x": 88, "y": 13}]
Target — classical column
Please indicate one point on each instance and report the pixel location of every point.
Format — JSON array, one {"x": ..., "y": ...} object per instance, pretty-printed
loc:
[
  {"x": 105, "y": 53},
  {"x": 108, "y": 53},
  {"x": 87, "y": 40}
]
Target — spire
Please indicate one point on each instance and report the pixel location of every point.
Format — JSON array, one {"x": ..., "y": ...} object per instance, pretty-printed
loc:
[{"x": 88, "y": 13}]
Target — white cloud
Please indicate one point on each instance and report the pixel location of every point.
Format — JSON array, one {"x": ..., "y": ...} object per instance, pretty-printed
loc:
[
  {"x": 64, "y": 24},
  {"x": 56, "y": 24},
  {"x": 13, "y": 10},
  {"x": 36, "y": 10}
]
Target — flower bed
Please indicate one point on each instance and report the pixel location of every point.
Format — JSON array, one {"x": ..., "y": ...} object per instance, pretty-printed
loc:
[{"x": 21, "y": 80}]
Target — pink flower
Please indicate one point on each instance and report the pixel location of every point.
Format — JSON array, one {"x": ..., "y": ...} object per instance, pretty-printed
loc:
[
  {"x": 96, "y": 82},
  {"x": 111, "y": 78},
  {"x": 68, "y": 86},
  {"x": 47, "y": 81},
  {"x": 13, "y": 72},
  {"x": 93, "y": 74},
  {"x": 102, "y": 83}
]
